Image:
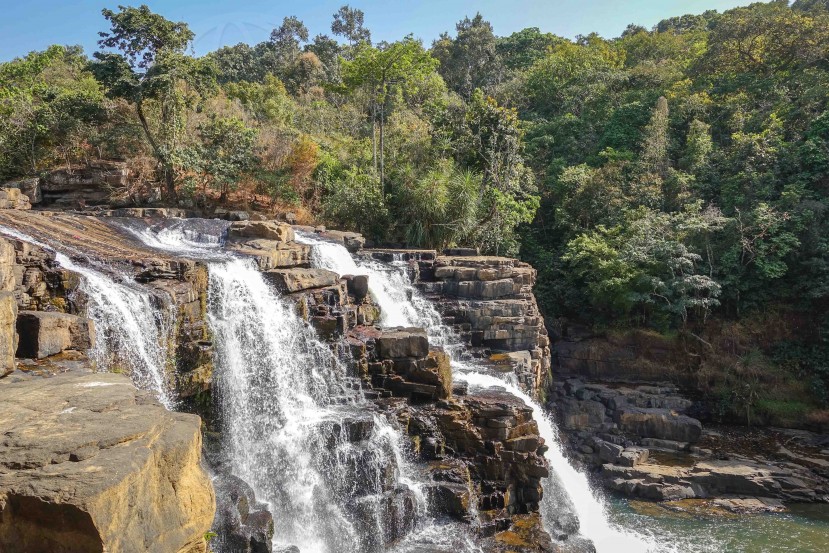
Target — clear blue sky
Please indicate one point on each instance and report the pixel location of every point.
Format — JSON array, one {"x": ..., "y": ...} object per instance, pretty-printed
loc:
[{"x": 27, "y": 25}]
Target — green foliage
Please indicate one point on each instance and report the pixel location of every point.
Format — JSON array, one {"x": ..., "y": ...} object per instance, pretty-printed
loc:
[
  {"x": 441, "y": 207},
  {"x": 470, "y": 60},
  {"x": 49, "y": 109},
  {"x": 225, "y": 153},
  {"x": 354, "y": 200},
  {"x": 152, "y": 67}
]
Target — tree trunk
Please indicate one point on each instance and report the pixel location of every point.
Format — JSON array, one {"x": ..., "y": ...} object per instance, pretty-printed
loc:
[
  {"x": 382, "y": 149},
  {"x": 374, "y": 133},
  {"x": 169, "y": 177}
]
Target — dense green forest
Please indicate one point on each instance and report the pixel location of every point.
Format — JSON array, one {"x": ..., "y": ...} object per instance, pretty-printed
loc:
[{"x": 655, "y": 180}]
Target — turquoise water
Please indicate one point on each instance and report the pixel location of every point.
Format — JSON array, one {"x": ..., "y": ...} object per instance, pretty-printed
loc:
[{"x": 802, "y": 529}]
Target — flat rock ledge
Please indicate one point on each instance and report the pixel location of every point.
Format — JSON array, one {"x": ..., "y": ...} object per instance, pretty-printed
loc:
[{"x": 90, "y": 463}]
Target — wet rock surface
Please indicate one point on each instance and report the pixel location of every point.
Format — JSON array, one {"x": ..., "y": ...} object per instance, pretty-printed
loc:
[
  {"x": 488, "y": 301},
  {"x": 481, "y": 451}
]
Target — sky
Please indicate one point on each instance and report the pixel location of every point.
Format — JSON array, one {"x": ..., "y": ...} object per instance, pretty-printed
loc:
[{"x": 27, "y": 25}]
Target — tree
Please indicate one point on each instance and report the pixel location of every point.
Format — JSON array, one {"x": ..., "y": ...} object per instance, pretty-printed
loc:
[
  {"x": 491, "y": 142},
  {"x": 348, "y": 23},
  {"x": 470, "y": 60},
  {"x": 442, "y": 207},
  {"x": 50, "y": 110},
  {"x": 152, "y": 67},
  {"x": 383, "y": 70},
  {"x": 286, "y": 40},
  {"x": 328, "y": 53},
  {"x": 224, "y": 154},
  {"x": 648, "y": 266},
  {"x": 523, "y": 48}
]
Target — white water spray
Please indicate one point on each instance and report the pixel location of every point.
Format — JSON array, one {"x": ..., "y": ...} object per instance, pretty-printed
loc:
[
  {"x": 589, "y": 508},
  {"x": 387, "y": 285},
  {"x": 296, "y": 427},
  {"x": 418, "y": 311},
  {"x": 131, "y": 327}
]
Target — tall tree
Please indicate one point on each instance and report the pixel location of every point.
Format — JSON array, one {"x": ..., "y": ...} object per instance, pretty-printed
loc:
[
  {"x": 383, "y": 70},
  {"x": 349, "y": 24},
  {"x": 287, "y": 39},
  {"x": 151, "y": 65},
  {"x": 470, "y": 60}
]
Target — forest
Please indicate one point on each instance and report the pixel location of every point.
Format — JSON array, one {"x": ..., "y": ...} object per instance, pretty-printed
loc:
[{"x": 658, "y": 180}]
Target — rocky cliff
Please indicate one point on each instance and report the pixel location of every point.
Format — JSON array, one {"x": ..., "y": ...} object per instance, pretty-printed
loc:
[
  {"x": 481, "y": 450},
  {"x": 89, "y": 463}
]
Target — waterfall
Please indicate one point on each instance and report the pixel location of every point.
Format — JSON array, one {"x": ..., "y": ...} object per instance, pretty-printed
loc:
[
  {"x": 567, "y": 489},
  {"x": 296, "y": 427},
  {"x": 589, "y": 507},
  {"x": 131, "y": 329},
  {"x": 388, "y": 286}
]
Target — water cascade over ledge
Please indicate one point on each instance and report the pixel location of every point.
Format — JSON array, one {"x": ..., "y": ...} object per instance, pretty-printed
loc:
[
  {"x": 296, "y": 427},
  {"x": 569, "y": 502},
  {"x": 130, "y": 321}
]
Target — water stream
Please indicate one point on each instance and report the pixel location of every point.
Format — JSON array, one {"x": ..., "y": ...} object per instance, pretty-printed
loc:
[
  {"x": 132, "y": 323},
  {"x": 332, "y": 468},
  {"x": 567, "y": 490}
]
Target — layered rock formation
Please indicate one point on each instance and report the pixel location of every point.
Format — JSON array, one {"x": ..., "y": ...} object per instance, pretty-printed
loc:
[
  {"x": 89, "y": 463},
  {"x": 482, "y": 450},
  {"x": 488, "y": 301},
  {"x": 13, "y": 198}
]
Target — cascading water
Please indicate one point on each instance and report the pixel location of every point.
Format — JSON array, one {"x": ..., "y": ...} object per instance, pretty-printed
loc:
[
  {"x": 388, "y": 287},
  {"x": 296, "y": 427},
  {"x": 131, "y": 328},
  {"x": 567, "y": 489}
]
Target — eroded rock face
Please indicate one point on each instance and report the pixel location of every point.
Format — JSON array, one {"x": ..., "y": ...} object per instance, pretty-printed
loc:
[
  {"x": 488, "y": 300},
  {"x": 299, "y": 279},
  {"x": 267, "y": 230},
  {"x": 29, "y": 187},
  {"x": 86, "y": 185},
  {"x": 713, "y": 478},
  {"x": 89, "y": 463},
  {"x": 45, "y": 333},
  {"x": 8, "y": 332},
  {"x": 13, "y": 198}
]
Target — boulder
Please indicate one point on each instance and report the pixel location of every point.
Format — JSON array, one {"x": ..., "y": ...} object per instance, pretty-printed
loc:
[
  {"x": 608, "y": 452},
  {"x": 13, "y": 198},
  {"x": 357, "y": 286},
  {"x": 352, "y": 241},
  {"x": 242, "y": 523},
  {"x": 45, "y": 333},
  {"x": 90, "y": 463},
  {"x": 8, "y": 332},
  {"x": 658, "y": 423},
  {"x": 270, "y": 254},
  {"x": 403, "y": 342},
  {"x": 267, "y": 230},
  {"x": 29, "y": 187},
  {"x": 298, "y": 279}
]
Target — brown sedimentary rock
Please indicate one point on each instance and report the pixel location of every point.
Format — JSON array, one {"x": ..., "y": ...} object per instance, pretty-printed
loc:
[{"x": 88, "y": 463}]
